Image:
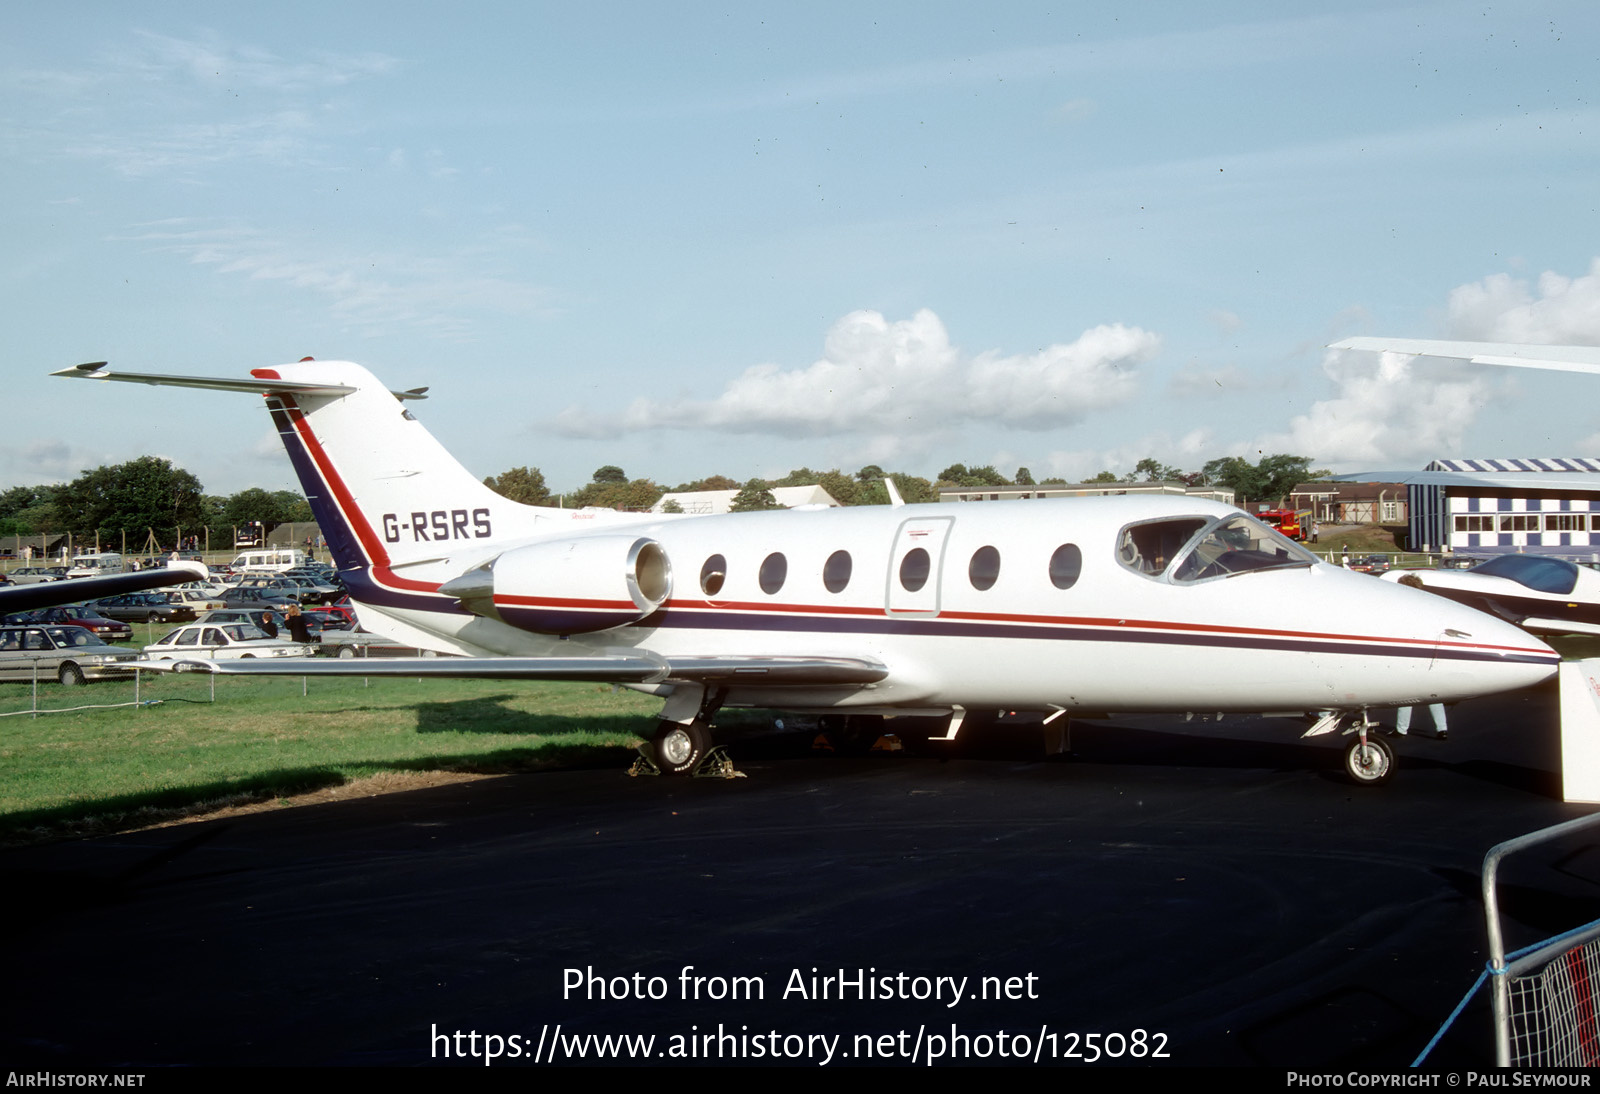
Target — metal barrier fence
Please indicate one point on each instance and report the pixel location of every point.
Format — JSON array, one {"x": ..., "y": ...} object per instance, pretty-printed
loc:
[
  {"x": 1545, "y": 994},
  {"x": 54, "y": 657}
]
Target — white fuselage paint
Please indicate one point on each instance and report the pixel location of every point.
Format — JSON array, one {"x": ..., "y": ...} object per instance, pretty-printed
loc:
[{"x": 1308, "y": 637}]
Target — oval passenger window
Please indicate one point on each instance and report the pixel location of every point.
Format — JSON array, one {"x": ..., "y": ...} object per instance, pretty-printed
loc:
[
  {"x": 712, "y": 575},
  {"x": 1065, "y": 566},
  {"x": 836, "y": 572},
  {"x": 984, "y": 569},
  {"x": 914, "y": 569},
  {"x": 774, "y": 568}
]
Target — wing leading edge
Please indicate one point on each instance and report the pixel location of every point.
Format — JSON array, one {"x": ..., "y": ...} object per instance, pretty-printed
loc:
[
  {"x": 633, "y": 667},
  {"x": 48, "y": 594}
]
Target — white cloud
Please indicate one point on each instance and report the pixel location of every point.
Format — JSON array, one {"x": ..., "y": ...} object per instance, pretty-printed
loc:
[
  {"x": 1389, "y": 409},
  {"x": 1560, "y": 310},
  {"x": 376, "y": 290},
  {"x": 878, "y": 376},
  {"x": 218, "y": 63},
  {"x": 157, "y": 105}
]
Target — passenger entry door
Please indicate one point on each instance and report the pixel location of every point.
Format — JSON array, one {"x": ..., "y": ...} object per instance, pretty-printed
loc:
[{"x": 915, "y": 563}]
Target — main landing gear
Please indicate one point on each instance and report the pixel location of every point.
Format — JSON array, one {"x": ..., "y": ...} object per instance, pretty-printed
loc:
[
  {"x": 685, "y": 747},
  {"x": 678, "y": 749}
]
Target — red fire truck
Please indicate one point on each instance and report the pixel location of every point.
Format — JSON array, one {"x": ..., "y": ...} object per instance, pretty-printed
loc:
[{"x": 1286, "y": 521}]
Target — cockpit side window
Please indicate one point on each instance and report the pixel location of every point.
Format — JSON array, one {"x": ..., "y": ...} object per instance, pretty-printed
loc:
[
  {"x": 1150, "y": 547},
  {"x": 1239, "y": 545}
]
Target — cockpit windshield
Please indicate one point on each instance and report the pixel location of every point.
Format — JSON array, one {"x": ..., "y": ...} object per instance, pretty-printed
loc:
[
  {"x": 1199, "y": 549},
  {"x": 1545, "y": 575},
  {"x": 1238, "y": 545}
]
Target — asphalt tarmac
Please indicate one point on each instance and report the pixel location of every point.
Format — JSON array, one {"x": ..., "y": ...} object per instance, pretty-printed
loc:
[{"x": 1200, "y": 892}]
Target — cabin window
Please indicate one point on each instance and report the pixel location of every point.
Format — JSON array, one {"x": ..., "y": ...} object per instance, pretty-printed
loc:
[
  {"x": 774, "y": 568},
  {"x": 712, "y": 574},
  {"x": 1065, "y": 566},
  {"x": 836, "y": 572},
  {"x": 984, "y": 569},
  {"x": 914, "y": 570},
  {"x": 1148, "y": 548}
]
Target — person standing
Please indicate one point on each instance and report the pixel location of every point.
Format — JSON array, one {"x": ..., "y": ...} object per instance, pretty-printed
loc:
[{"x": 297, "y": 625}]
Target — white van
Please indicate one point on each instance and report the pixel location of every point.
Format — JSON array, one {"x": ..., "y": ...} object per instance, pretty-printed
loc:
[
  {"x": 102, "y": 562},
  {"x": 268, "y": 559}
]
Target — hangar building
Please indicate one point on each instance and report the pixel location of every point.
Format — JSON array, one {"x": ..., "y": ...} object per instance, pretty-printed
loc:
[{"x": 1489, "y": 507}]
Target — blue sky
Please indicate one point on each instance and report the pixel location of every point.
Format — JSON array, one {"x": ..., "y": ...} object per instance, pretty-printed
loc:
[{"x": 696, "y": 240}]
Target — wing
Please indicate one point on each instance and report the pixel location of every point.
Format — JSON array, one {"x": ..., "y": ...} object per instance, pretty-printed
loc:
[
  {"x": 47, "y": 594},
  {"x": 1559, "y": 358},
  {"x": 632, "y": 667}
]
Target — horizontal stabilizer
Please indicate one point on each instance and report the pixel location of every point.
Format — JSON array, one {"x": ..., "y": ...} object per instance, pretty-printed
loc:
[
  {"x": 1559, "y": 358},
  {"x": 255, "y": 385}
]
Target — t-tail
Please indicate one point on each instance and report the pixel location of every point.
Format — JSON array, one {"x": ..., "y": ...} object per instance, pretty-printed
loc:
[{"x": 400, "y": 514}]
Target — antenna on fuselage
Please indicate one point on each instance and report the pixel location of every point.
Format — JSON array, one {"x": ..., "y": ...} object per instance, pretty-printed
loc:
[{"x": 895, "y": 500}]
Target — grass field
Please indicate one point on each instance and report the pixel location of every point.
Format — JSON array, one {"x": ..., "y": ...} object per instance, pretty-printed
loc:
[{"x": 261, "y": 739}]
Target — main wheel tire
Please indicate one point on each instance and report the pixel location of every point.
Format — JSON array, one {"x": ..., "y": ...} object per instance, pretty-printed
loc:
[
  {"x": 679, "y": 748},
  {"x": 70, "y": 675},
  {"x": 1373, "y": 766}
]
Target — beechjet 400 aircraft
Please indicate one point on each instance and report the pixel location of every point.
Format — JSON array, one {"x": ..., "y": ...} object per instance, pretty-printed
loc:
[{"x": 1094, "y": 605}]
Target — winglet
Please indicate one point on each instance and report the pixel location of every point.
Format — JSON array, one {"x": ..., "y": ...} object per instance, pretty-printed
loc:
[{"x": 895, "y": 500}]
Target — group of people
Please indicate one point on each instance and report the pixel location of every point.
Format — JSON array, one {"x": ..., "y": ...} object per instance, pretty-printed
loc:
[{"x": 293, "y": 619}]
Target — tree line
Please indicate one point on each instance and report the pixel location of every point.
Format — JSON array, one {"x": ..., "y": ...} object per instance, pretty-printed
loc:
[
  {"x": 146, "y": 494},
  {"x": 1268, "y": 480},
  {"x": 150, "y": 494}
]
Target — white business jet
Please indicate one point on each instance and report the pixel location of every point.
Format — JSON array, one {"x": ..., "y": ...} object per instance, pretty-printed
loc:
[{"x": 1094, "y": 605}]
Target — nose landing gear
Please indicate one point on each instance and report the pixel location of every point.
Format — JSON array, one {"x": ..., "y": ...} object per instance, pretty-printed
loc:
[{"x": 1369, "y": 759}]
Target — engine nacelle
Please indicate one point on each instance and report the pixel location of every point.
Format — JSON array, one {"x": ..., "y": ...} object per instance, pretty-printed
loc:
[{"x": 569, "y": 586}]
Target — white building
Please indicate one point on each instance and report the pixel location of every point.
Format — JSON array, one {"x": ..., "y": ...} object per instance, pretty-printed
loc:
[{"x": 708, "y": 502}]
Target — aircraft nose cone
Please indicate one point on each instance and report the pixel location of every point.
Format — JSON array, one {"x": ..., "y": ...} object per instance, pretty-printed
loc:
[{"x": 1502, "y": 655}]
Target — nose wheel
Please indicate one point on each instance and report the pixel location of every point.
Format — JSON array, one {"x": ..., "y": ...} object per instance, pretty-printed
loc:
[{"x": 1369, "y": 759}]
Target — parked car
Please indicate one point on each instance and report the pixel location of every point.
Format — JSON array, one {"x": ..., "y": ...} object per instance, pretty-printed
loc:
[
  {"x": 259, "y": 599},
  {"x": 70, "y": 654},
  {"x": 198, "y": 600},
  {"x": 143, "y": 608},
  {"x": 32, "y": 575},
  {"x": 1370, "y": 564},
  {"x": 223, "y": 641},
  {"x": 73, "y": 615}
]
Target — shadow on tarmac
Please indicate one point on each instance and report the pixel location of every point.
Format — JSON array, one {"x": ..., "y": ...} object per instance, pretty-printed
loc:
[{"x": 1214, "y": 891}]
